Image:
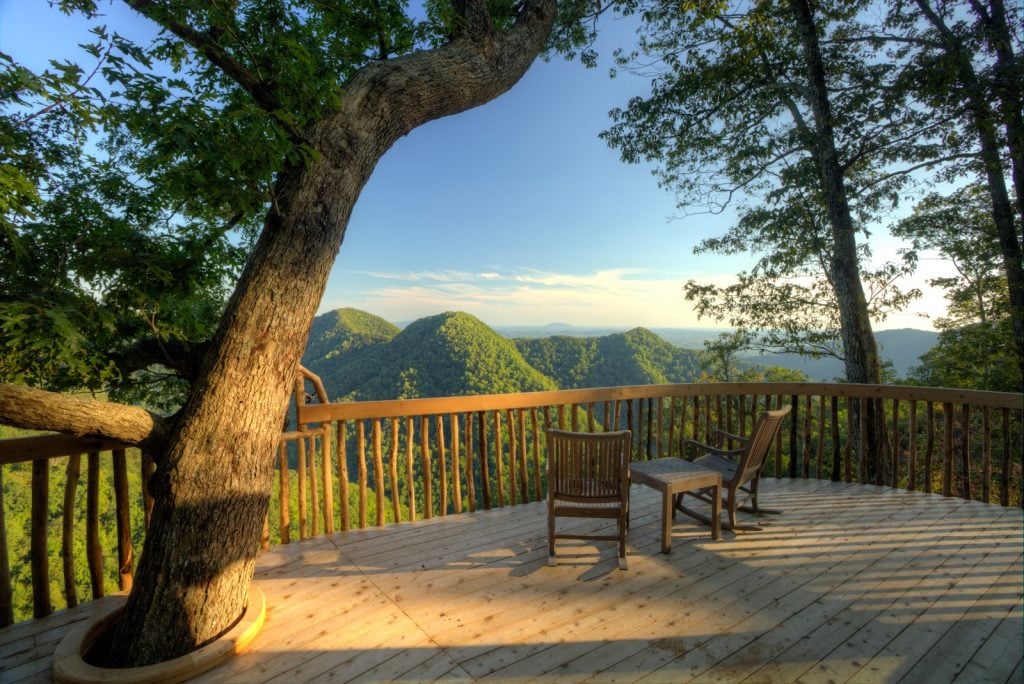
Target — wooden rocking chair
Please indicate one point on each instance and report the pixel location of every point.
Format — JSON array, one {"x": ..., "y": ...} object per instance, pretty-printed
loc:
[
  {"x": 588, "y": 477},
  {"x": 740, "y": 469}
]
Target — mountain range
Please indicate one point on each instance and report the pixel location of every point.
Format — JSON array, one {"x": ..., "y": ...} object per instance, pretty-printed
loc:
[{"x": 361, "y": 356}]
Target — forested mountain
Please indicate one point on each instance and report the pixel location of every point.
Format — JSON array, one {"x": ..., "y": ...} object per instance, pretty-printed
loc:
[
  {"x": 449, "y": 354},
  {"x": 360, "y": 356},
  {"x": 636, "y": 357},
  {"x": 342, "y": 331}
]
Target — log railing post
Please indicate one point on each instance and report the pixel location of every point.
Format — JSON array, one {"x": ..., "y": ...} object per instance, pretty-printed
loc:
[
  {"x": 284, "y": 493},
  {"x": 6, "y": 591},
  {"x": 40, "y": 518},
  {"x": 378, "y": 471},
  {"x": 125, "y": 556},
  {"x": 67, "y": 542},
  {"x": 93, "y": 550}
]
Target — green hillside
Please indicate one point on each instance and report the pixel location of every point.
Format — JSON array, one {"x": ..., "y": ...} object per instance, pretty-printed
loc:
[
  {"x": 345, "y": 330},
  {"x": 445, "y": 355},
  {"x": 636, "y": 357}
]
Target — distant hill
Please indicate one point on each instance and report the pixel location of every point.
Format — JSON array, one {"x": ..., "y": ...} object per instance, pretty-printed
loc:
[
  {"x": 345, "y": 330},
  {"x": 902, "y": 347},
  {"x": 450, "y": 354},
  {"x": 362, "y": 356},
  {"x": 635, "y": 357}
]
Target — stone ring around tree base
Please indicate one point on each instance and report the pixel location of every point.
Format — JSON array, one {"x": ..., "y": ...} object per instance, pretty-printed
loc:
[{"x": 69, "y": 667}]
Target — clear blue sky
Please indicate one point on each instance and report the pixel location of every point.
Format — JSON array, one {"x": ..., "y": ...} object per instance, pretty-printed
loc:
[{"x": 515, "y": 212}]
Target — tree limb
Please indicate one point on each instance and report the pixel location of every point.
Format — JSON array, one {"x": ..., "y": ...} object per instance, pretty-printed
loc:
[{"x": 35, "y": 409}]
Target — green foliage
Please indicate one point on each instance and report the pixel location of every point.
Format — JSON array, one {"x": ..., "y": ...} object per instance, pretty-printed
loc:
[
  {"x": 731, "y": 119},
  {"x": 636, "y": 357},
  {"x": 445, "y": 355},
  {"x": 975, "y": 349},
  {"x": 342, "y": 331}
]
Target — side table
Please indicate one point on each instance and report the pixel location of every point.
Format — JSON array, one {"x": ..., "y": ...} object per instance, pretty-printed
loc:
[{"x": 671, "y": 476}]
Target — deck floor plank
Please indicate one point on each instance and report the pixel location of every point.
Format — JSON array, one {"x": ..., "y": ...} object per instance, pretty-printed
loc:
[{"x": 850, "y": 583}]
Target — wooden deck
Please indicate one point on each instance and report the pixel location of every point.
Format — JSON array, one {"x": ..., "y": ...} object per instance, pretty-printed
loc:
[{"x": 851, "y": 583}]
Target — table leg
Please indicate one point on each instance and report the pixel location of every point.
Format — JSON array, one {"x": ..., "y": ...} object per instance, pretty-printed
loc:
[
  {"x": 666, "y": 521},
  {"x": 716, "y": 512}
]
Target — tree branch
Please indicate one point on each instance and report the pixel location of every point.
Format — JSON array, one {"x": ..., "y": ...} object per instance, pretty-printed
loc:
[
  {"x": 34, "y": 409},
  {"x": 206, "y": 44}
]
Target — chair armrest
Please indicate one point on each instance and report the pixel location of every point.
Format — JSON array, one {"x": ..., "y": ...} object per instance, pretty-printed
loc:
[
  {"x": 712, "y": 449},
  {"x": 729, "y": 435}
]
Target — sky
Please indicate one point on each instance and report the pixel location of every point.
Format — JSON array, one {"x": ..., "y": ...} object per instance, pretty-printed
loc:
[{"x": 516, "y": 212}]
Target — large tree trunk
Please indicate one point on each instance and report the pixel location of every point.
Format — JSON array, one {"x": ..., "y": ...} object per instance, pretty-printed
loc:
[
  {"x": 860, "y": 349},
  {"x": 214, "y": 478},
  {"x": 983, "y": 120}
]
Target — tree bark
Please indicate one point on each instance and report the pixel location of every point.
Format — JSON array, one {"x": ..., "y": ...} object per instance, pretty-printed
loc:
[
  {"x": 983, "y": 120},
  {"x": 213, "y": 483},
  {"x": 860, "y": 350},
  {"x": 34, "y": 409}
]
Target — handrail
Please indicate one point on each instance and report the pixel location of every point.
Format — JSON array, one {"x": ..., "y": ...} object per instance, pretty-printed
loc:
[{"x": 317, "y": 413}]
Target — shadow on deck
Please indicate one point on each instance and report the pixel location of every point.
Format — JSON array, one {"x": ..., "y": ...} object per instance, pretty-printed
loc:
[{"x": 851, "y": 583}]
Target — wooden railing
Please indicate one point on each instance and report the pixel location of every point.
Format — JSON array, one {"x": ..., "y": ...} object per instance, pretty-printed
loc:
[
  {"x": 419, "y": 458},
  {"x": 105, "y": 508},
  {"x": 352, "y": 465}
]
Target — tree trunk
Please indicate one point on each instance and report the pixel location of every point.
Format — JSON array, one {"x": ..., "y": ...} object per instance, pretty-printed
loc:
[
  {"x": 213, "y": 479},
  {"x": 860, "y": 349},
  {"x": 983, "y": 120}
]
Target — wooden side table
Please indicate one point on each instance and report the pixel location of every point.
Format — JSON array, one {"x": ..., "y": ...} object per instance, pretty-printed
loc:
[{"x": 671, "y": 476}]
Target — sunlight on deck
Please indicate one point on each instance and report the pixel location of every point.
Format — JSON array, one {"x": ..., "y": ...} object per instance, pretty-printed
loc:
[{"x": 850, "y": 583}]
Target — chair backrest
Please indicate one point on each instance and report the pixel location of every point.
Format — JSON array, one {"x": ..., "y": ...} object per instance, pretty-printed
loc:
[
  {"x": 760, "y": 442},
  {"x": 588, "y": 467}
]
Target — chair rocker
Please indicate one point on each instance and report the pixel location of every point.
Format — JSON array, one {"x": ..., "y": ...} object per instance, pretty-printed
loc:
[
  {"x": 740, "y": 469},
  {"x": 588, "y": 477}
]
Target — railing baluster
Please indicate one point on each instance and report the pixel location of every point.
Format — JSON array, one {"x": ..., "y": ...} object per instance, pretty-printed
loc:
[
  {"x": 146, "y": 468},
  {"x": 361, "y": 470},
  {"x": 524, "y": 476},
  {"x": 837, "y": 474},
  {"x": 314, "y": 489},
  {"x": 819, "y": 456},
  {"x": 538, "y": 492},
  {"x": 485, "y": 467},
  {"x": 343, "y": 481},
  {"x": 410, "y": 487},
  {"x": 93, "y": 550},
  {"x": 848, "y": 446},
  {"x": 947, "y": 450},
  {"x": 378, "y": 472},
  {"x": 1004, "y": 484},
  {"x": 794, "y": 455},
  {"x": 965, "y": 453},
  {"x": 425, "y": 464},
  {"x": 513, "y": 448},
  {"x": 896, "y": 444},
  {"x": 6, "y": 591},
  {"x": 442, "y": 466},
  {"x": 396, "y": 499},
  {"x": 67, "y": 542},
  {"x": 986, "y": 456},
  {"x": 499, "y": 458},
  {"x": 325, "y": 477},
  {"x": 300, "y": 445},
  {"x": 470, "y": 478},
  {"x": 125, "y": 556},
  {"x": 912, "y": 447},
  {"x": 929, "y": 446},
  {"x": 40, "y": 517},
  {"x": 283, "y": 494},
  {"x": 806, "y": 439},
  {"x": 456, "y": 464}
]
